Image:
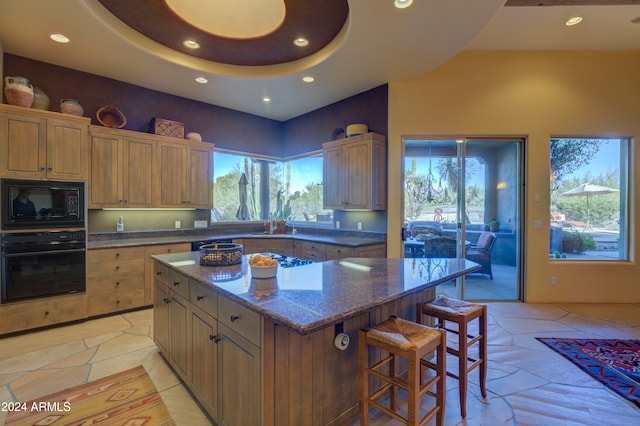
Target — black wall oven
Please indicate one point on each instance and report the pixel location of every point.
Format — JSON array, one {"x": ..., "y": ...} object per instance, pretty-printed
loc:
[{"x": 40, "y": 264}]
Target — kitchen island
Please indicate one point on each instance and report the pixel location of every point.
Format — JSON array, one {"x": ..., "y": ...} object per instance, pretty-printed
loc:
[{"x": 261, "y": 351}]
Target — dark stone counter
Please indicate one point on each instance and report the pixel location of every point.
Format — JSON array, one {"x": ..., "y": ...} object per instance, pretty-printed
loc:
[{"x": 310, "y": 297}]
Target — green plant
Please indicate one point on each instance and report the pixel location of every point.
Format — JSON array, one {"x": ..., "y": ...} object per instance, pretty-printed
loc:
[
  {"x": 493, "y": 224},
  {"x": 581, "y": 241}
]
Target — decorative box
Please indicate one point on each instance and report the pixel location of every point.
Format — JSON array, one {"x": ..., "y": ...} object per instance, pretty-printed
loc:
[{"x": 160, "y": 126}]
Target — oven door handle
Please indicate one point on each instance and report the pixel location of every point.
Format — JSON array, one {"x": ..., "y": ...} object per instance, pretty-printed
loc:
[{"x": 47, "y": 252}]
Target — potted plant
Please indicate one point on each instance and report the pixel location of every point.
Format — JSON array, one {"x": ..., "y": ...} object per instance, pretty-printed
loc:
[{"x": 493, "y": 225}]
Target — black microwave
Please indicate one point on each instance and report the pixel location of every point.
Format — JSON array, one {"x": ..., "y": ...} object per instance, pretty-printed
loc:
[{"x": 28, "y": 204}]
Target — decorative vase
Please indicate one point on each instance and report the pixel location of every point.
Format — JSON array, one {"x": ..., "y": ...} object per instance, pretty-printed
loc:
[
  {"x": 40, "y": 99},
  {"x": 18, "y": 91},
  {"x": 71, "y": 106}
]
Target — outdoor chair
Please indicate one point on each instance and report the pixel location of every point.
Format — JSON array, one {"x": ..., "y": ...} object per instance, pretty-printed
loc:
[
  {"x": 424, "y": 227},
  {"x": 440, "y": 247},
  {"x": 480, "y": 253}
]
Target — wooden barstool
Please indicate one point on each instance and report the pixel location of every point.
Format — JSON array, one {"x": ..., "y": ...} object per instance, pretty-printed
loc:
[
  {"x": 411, "y": 341},
  {"x": 446, "y": 309}
]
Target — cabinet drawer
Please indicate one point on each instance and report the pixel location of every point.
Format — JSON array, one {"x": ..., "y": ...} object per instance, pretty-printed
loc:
[
  {"x": 118, "y": 301},
  {"x": 115, "y": 269},
  {"x": 166, "y": 249},
  {"x": 204, "y": 298},
  {"x": 311, "y": 250},
  {"x": 179, "y": 283},
  {"x": 112, "y": 284},
  {"x": 339, "y": 252},
  {"x": 268, "y": 244},
  {"x": 115, "y": 254},
  {"x": 240, "y": 319},
  {"x": 161, "y": 273},
  {"x": 19, "y": 316}
]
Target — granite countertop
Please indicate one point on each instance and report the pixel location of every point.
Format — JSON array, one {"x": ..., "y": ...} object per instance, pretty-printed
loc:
[
  {"x": 176, "y": 239},
  {"x": 310, "y": 297}
]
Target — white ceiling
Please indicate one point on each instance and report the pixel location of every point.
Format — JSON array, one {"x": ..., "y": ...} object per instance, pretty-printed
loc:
[{"x": 379, "y": 44}]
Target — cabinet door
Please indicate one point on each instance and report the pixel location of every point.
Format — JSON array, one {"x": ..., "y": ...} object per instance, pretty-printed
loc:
[
  {"x": 334, "y": 175},
  {"x": 239, "y": 378},
  {"x": 137, "y": 171},
  {"x": 161, "y": 318},
  {"x": 171, "y": 172},
  {"x": 203, "y": 373},
  {"x": 200, "y": 177},
  {"x": 105, "y": 185},
  {"x": 67, "y": 150},
  {"x": 23, "y": 141},
  {"x": 178, "y": 338},
  {"x": 358, "y": 175}
]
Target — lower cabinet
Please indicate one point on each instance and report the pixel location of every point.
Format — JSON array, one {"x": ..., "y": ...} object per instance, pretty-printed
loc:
[
  {"x": 213, "y": 344},
  {"x": 20, "y": 316},
  {"x": 148, "y": 265}
]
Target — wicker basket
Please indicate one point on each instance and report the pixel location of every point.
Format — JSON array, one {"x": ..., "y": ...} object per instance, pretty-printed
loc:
[
  {"x": 110, "y": 116},
  {"x": 220, "y": 254}
]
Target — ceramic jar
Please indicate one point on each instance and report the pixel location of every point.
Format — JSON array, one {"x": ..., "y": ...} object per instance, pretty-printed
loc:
[
  {"x": 40, "y": 99},
  {"x": 18, "y": 91},
  {"x": 71, "y": 106}
]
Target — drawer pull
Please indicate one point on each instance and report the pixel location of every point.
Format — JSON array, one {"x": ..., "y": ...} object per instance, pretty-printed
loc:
[
  {"x": 165, "y": 300},
  {"x": 215, "y": 339},
  {"x": 159, "y": 273},
  {"x": 117, "y": 254},
  {"x": 46, "y": 312},
  {"x": 117, "y": 283},
  {"x": 176, "y": 283},
  {"x": 117, "y": 302},
  {"x": 117, "y": 268},
  {"x": 199, "y": 298},
  {"x": 234, "y": 318}
]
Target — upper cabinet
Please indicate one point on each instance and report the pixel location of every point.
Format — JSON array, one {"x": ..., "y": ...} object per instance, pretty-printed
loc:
[
  {"x": 355, "y": 173},
  {"x": 39, "y": 144},
  {"x": 131, "y": 169},
  {"x": 184, "y": 175},
  {"x": 121, "y": 169}
]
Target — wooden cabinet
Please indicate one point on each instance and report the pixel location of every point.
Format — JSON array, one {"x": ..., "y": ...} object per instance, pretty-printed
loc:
[
  {"x": 376, "y": 250},
  {"x": 115, "y": 280},
  {"x": 121, "y": 169},
  {"x": 355, "y": 173},
  {"x": 339, "y": 252},
  {"x": 311, "y": 250},
  {"x": 43, "y": 145},
  {"x": 149, "y": 276},
  {"x": 213, "y": 343},
  {"x": 184, "y": 175},
  {"x": 20, "y": 316},
  {"x": 319, "y": 252},
  {"x": 267, "y": 244}
]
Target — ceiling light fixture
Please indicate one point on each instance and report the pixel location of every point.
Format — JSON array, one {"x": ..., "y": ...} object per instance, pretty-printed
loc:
[
  {"x": 401, "y": 4},
  {"x": 191, "y": 44},
  {"x": 60, "y": 38},
  {"x": 573, "y": 21},
  {"x": 301, "y": 42},
  {"x": 308, "y": 79},
  {"x": 202, "y": 80}
]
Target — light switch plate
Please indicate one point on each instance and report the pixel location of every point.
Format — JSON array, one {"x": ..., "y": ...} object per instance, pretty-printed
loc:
[{"x": 200, "y": 224}]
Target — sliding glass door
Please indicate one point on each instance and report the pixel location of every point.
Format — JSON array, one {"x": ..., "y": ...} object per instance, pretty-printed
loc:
[{"x": 463, "y": 198}]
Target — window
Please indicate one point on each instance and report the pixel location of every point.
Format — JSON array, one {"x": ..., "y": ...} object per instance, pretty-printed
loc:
[
  {"x": 588, "y": 198},
  {"x": 280, "y": 189}
]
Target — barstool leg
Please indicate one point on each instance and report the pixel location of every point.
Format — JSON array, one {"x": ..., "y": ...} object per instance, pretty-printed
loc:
[
  {"x": 441, "y": 371},
  {"x": 413, "y": 397},
  {"x": 463, "y": 355},
  {"x": 363, "y": 375},
  {"x": 483, "y": 352},
  {"x": 393, "y": 391}
]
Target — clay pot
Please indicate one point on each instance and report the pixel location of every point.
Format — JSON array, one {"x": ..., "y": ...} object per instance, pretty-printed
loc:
[
  {"x": 18, "y": 91},
  {"x": 40, "y": 99},
  {"x": 71, "y": 106}
]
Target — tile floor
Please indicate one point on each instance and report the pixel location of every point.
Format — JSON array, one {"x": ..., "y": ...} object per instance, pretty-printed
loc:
[{"x": 528, "y": 384}]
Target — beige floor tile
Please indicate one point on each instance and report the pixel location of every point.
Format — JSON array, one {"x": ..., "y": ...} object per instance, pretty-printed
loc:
[
  {"x": 44, "y": 382},
  {"x": 121, "y": 345},
  {"x": 41, "y": 357},
  {"x": 140, "y": 330},
  {"x": 122, "y": 362},
  {"x": 143, "y": 317},
  {"x": 94, "y": 341},
  {"x": 183, "y": 409},
  {"x": 160, "y": 372},
  {"x": 80, "y": 358}
]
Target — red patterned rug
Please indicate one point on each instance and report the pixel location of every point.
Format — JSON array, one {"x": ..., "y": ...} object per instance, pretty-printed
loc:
[
  {"x": 614, "y": 363},
  {"x": 128, "y": 398}
]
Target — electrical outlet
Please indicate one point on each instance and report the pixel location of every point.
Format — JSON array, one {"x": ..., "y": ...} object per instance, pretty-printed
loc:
[
  {"x": 178, "y": 224},
  {"x": 554, "y": 281},
  {"x": 359, "y": 226},
  {"x": 200, "y": 224}
]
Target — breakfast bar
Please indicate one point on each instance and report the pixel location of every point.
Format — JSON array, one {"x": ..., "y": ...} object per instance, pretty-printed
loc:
[{"x": 282, "y": 350}]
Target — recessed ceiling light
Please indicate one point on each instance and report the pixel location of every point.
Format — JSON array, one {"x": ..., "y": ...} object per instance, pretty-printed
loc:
[
  {"x": 266, "y": 99},
  {"x": 191, "y": 44},
  {"x": 401, "y": 4},
  {"x": 573, "y": 21},
  {"x": 308, "y": 79},
  {"x": 301, "y": 42},
  {"x": 60, "y": 38},
  {"x": 202, "y": 80}
]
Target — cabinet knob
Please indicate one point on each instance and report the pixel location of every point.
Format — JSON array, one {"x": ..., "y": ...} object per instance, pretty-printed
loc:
[
  {"x": 176, "y": 283},
  {"x": 118, "y": 254},
  {"x": 50, "y": 168},
  {"x": 117, "y": 283},
  {"x": 234, "y": 318},
  {"x": 42, "y": 169},
  {"x": 117, "y": 302},
  {"x": 199, "y": 298},
  {"x": 165, "y": 300},
  {"x": 158, "y": 273},
  {"x": 46, "y": 313}
]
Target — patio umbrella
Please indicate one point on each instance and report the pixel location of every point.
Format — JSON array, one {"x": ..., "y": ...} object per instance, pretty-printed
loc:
[
  {"x": 243, "y": 210},
  {"x": 587, "y": 190}
]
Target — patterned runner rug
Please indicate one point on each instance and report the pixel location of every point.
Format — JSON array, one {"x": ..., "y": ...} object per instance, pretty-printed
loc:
[
  {"x": 128, "y": 398},
  {"x": 615, "y": 363}
]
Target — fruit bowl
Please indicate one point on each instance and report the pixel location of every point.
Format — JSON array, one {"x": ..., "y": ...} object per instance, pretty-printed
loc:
[{"x": 263, "y": 266}]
